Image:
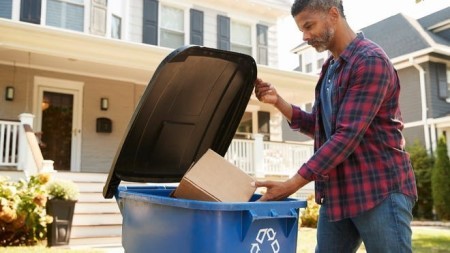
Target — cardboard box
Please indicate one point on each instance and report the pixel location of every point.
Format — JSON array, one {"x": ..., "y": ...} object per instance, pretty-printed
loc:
[{"x": 213, "y": 178}]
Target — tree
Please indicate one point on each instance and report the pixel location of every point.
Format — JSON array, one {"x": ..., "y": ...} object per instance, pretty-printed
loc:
[
  {"x": 440, "y": 182},
  {"x": 422, "y": 164}
]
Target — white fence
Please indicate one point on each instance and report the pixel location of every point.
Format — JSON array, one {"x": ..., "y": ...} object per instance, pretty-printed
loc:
[{"x": 9, "y": 140}]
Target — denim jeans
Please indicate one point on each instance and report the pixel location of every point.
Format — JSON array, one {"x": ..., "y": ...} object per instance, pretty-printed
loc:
[{"x": 383, "y": 229}]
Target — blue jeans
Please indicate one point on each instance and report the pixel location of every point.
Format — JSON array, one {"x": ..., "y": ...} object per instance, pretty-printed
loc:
[{"x": 383, "y": 229}]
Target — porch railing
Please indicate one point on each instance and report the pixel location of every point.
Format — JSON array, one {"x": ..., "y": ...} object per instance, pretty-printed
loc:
[
  {"x": 19, "y": 148},
  {"x": 276, "y": 158},
  {"x": 9, "y": 143}
]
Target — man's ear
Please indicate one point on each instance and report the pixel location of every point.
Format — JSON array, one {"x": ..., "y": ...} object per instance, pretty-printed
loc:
[{"x": 334, "y": 13}]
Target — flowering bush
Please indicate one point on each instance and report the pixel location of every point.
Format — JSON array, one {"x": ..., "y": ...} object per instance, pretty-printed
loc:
[
  {"x": 310, "y": 215},
  {"x": 23, "y": 219},
  {"x": 62, "y": 189}
]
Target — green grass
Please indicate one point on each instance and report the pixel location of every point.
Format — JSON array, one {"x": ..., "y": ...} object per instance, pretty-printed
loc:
[
  {"x": 424, "y": 240},
  {"x": 43, "y": 249}
]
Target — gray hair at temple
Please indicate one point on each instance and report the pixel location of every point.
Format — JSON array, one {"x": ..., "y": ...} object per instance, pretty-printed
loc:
[{"x": 316, "y": 5}]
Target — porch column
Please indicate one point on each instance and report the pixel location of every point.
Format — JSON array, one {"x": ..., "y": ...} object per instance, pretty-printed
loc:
[
  {"x": 25, "y": 157},
  {"x": 258, "y": 151}
]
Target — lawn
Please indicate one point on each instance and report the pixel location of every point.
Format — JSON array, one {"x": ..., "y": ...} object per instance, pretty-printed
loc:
[{"x": 425, "y": 240}]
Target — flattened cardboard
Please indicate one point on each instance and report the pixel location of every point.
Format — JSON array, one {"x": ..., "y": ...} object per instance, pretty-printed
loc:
[{"x": 213, "y": 178}]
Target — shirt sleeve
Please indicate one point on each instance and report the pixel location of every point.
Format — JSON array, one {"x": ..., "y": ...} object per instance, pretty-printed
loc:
[
  {"x": 358, "y": 104},
  {"x": 302, "y": 121}
]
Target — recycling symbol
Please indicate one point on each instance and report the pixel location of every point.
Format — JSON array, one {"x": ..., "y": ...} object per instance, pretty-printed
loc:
[{"x": 265, "y": 235}]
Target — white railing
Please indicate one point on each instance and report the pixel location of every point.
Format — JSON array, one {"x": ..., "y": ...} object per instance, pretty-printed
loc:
[
  {"x": 9, "y": 140},
  {"x": 19, "y": 147},
  {"x": 277, "y": 158}
]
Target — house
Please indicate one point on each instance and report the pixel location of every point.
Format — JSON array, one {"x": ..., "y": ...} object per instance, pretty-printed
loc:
[
  {"x": 77, "y": 69},
  {"x": 420, "y": 51}
]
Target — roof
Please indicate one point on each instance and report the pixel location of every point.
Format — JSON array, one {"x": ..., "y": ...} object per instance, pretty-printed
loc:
[{"x": 401, "y": 35}]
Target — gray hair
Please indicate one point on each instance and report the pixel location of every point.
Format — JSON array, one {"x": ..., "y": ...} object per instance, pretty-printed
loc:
[{"x": 316, "y": 5}]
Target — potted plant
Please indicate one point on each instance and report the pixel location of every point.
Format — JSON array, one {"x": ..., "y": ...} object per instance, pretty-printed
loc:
[{"x": 62, "y": 197}]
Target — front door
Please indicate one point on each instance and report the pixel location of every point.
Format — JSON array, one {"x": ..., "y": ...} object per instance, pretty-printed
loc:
[{"x": 58, "y": 117}]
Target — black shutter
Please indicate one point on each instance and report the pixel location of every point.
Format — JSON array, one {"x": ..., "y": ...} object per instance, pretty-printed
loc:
[
  {"x": 262, "y": 44},
  {"x": 30, "y": 11},
  {"x": 223, "y": 32},
  {"x": 196, "y": 27},
  {"x": 150, "y": 22}
]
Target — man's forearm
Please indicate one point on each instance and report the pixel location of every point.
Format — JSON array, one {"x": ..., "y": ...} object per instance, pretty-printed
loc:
[{"x": 284, "y": 107}]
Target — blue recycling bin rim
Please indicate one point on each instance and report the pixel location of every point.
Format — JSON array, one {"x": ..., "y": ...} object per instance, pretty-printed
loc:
[{"x": 161, "y": 195}]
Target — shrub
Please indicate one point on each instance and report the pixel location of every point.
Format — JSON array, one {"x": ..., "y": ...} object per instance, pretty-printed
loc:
[
  {"x": 310, "y": 215},
  {"x": 23, "y": 219},
  {"x": 62, "y": 189},
  {"x": 439, "y": 182},
  {"x": 422, "y": 164}
]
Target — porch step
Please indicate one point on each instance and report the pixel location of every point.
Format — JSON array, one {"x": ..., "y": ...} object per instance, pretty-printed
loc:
[
  {"x": 96, "y": 231},
  {"x": 96, "y": 221}
]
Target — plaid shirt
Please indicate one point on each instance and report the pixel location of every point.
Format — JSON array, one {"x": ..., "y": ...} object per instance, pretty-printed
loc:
[{"x": 364, "y": 160}]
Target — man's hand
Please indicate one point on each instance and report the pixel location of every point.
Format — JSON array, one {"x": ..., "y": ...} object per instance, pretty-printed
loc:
[
  {"x": 281, "y": 190},
  {"x": 265, "y": 92}
]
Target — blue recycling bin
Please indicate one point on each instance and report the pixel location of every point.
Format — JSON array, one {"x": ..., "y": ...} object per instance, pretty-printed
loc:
[
  {"x": 194, "y": 102},
  {"x": 155, "y": 222}
]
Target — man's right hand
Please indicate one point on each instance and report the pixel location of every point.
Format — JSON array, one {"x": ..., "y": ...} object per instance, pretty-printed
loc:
[{"x": 265, "y": 92}]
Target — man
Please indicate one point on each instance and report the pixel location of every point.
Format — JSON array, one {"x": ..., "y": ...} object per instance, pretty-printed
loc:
[{"x": 363, "y": 176}]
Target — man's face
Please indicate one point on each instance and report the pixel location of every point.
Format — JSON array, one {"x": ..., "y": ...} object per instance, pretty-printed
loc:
[{"x": 317, "y": 29}]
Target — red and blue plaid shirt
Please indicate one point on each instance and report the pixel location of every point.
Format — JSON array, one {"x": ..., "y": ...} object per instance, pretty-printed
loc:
[{"x": 364, "y": 160}]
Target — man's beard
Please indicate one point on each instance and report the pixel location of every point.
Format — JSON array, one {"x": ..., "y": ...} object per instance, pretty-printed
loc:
[{"x": 323, "y": 41}]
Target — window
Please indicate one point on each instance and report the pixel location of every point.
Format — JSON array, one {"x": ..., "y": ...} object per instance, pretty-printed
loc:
[
  {"x": 241, "y": 38},
  {"x": 246, "y": 129},
  {"x": 262, "y": 44},
  {"x": 448, "y": 84},
  {"x": 68, "y": 14},
  {"x": 116, "y": 24},
  {"x": 5, "y": 8},
  {"x": 172, "y": 27}
]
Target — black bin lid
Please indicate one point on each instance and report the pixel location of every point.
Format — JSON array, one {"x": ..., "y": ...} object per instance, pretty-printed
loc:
[{"x": 194, "y": 102}]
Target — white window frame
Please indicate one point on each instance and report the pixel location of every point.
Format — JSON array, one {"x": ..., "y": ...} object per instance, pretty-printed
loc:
[
  {"x": 86, "y": 8},
  {"x": 185, "y": 9},
  {"x": 252, "y": 35}
]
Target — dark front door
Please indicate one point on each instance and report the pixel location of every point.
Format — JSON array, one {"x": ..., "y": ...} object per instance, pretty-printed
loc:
[{"x": 57, "y": 117}]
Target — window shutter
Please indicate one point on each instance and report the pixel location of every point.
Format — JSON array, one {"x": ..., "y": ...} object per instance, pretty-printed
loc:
[
  {"x": 98, "y": 17},
  {"x": 196, "y": 27},
  {"x": 150, "y": 22},
  {"x": 262, "y": 44},
  {"x": 30, "y": 11},
  {"x": 223, "y": 32},
  {"x": 6, "y": 9}
]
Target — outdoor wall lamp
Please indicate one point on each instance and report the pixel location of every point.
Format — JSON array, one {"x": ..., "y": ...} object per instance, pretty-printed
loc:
[
  {"x": 9, "y": 93},
  {"x": 104, "y": 104}
]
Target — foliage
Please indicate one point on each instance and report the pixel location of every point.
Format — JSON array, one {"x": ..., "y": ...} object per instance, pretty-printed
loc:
[
  {"x": 23, "y": 219},
  {"x": 422, "y": 164},
  {"x": 62, "y": 189},
  {"x": 310, "y": 215},
  {"x": 439, "y": 182}
]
